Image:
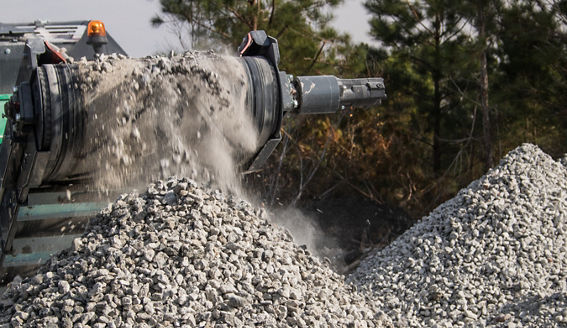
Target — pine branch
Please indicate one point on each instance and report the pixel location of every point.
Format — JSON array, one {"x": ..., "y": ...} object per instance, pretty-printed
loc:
[
  {"x": 272, "y": 13},
  {"x": 314, "y": 59}
]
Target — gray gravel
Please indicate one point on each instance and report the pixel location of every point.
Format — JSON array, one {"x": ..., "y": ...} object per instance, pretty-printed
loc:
[
  {"x": 495, "y": 255},
  {"x": 178, "y": 255}
]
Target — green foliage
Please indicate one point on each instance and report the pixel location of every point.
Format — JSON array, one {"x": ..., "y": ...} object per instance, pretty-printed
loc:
[
  {"x": 532, "y": 77},
  {"x": 426, "y": 140},
  {"x": 428, "y": 36},
  {"x": 526, "y": 54},
  {"x": 302, "y": 26}
]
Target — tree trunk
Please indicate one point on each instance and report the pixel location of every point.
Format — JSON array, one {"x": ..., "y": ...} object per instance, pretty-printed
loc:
[
  {"x": 437, "y": 100},
  {"x": 257, "y": 3},
  {"x": 436, "y": 125},
  {"x": 481, "y": 27}
]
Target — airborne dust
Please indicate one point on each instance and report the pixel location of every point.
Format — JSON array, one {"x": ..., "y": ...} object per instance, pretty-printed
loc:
[{"x": 185, "y": 116}]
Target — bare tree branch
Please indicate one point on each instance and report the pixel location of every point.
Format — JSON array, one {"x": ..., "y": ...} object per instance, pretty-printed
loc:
[
  {"x": 272, "y": 13},
  {"x": 240, "y": 18},
  {"x": 314, "y": 59},
  {"x": 417, "y": 19},
  {"x": 275, "y": 185},
  {"x": 317, "y": 165}
]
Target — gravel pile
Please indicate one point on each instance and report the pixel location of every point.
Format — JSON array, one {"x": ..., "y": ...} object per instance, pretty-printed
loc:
[
  {"x": 178, "y": 255},
  {"x": 495, "y": 255}
]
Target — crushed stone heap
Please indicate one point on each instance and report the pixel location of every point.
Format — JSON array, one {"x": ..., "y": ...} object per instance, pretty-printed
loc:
[
  {"x": 180, "y": 256},
  {"x": 494, "y": 255}
]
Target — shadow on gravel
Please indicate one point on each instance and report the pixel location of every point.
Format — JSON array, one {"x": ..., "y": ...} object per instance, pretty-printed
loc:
[
  {"x": 534, "y": 306},
  {"x": 358, "y": 225}
]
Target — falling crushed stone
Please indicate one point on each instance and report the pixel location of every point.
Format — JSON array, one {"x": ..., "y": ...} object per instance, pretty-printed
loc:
[{"x": 178, "y": 118}]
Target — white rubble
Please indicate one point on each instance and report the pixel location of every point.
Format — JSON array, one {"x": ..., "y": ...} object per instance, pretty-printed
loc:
[
  {"x": 181, "y": 256},
  {"x": 494, "y": 255}
]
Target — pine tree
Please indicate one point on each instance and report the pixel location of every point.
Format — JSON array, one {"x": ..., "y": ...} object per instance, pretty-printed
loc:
[
  {"x": 532, "y": 74},
  {"x": 300, "y": 26},
  {"x": 428, "y": 34}
]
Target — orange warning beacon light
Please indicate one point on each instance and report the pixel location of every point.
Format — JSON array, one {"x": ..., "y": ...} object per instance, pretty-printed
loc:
[{"x": 96, "y": 28}]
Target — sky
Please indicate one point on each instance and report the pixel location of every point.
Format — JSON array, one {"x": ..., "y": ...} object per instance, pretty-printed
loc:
[{"x": 128, "y": 21}]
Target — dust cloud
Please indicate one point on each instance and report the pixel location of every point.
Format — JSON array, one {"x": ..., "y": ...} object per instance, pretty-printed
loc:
[
  {"x": 184, "y": 116},
  {"x": 306, "y": 231},
  {"x": 152, "y": 118}
]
